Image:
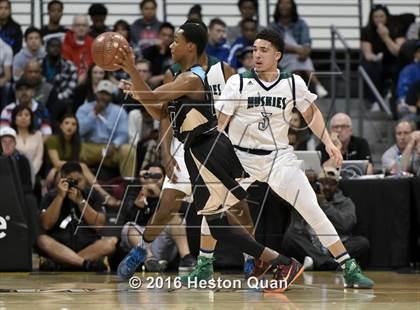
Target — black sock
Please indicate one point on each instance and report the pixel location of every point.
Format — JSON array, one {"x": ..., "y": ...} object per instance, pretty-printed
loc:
[{"x": 281, "y": 259}]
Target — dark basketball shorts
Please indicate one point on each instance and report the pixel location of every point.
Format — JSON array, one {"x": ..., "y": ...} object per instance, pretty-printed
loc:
[{"x": 214, "y": 171}]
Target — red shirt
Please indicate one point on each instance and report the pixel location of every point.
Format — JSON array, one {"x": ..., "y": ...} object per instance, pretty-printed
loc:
[{"x": 79, "y": 54}]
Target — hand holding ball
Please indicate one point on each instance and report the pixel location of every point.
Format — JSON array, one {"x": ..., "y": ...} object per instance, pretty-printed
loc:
[{"x": 104, "y": 49}]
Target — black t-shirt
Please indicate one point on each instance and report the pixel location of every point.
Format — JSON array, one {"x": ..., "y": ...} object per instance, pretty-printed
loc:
[
  {"x": 358, "y": 149},
  {"x": 378, "y": 46},
  {"x": 70, "y": 212},
  {"x": 159, "y": 63},
  {"x": 131, "y": 213}
]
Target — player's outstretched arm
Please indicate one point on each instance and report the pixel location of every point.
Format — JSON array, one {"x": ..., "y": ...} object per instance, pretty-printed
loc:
[
  {"x": 315, "y": 121},
  {"x": 165, "y": 137},
  {"x": 153, "y": 100}
]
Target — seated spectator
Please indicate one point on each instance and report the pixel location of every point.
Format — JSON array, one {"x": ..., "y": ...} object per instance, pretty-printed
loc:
[
  {"x": 139, "y": 206},
  {"x": 248, "y": 10},
  {"x": 411, "y": 154},
  {"x": 392, "y": 158},
  {"x": 381, "y": 41},
  {"x": 65, "y": 147},
  {"x": 85, "y": 91},
  {"x": 98, "y": 13},
  {"x": 195, "y": 13},
  {"x": 352, "y": 147},
  {"x": 297, "y": 41},
  {"x": 62, "y": 74},
  {"x": 301, "y": 242},
  {"x": 53, "y": 29},
  {"x": 246, "y": 59},
  {"x": 63, "y": 210},
  {"x": 102, "y": 122},
  {"x": 217, "y": 45},
  {"x": 408, "y": 77},
  {"x": 249, "y": 33},
  {"x": 159, "y": 54},
  {"x": 413, "y": 102},
  {"x": 32, "y": 50},
  {"x": 28, "y": 140},
  {"x": 26, "y": 176},
  {"x": 8, "y": 146},
  {"x": 6, "y": 60},
  {"x": 44, "y": 92},
  {"x": 302, "y": 135},
  {"x": 77, "y": 46},
  {"x": 145, "y": 31},
  {"x": 24, "y": 93},
  {"x": 10, "y": 31},
  {"x": 123, "y": 28}
]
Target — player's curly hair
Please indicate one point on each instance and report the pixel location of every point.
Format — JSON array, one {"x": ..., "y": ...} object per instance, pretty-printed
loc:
[{"x": 273, "y": 37}]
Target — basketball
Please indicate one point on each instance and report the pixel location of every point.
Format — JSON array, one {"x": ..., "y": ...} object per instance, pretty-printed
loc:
[{"x": 104, "y": 49}]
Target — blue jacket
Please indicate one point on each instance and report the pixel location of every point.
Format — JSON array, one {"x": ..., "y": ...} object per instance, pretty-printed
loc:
[
  {"x": 11, "y": 33},
  {"x": 409, "y": 75},
  {"x": 220, "y": 51},
  {"x": 237, "y": 46},
  {"x": 99, "y": 128},
  {"x": 300, "y": 31}
]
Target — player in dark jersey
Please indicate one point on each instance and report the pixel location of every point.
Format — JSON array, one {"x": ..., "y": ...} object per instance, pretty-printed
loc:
[{"x": 210, "y": 158}]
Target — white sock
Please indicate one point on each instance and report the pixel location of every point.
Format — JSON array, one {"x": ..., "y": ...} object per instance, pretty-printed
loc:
[
  {"x": 206, "y": 253},
  {"x": 342, "y": 258}
]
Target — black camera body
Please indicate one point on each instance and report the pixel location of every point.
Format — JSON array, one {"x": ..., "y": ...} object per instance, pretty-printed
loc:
[{"x": 72, "y": 183}]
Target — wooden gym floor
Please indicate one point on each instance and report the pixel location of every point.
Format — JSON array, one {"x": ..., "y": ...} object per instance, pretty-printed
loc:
[{"x": 314, "y": 290}]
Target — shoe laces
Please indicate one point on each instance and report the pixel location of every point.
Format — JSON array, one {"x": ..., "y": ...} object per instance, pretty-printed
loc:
[
  {"x": 249, "y": 266},
  {"x": 202, "y": 263},
  {"x": 133, "y": 260}
]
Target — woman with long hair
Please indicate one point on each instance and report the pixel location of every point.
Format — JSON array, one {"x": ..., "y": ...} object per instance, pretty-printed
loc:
[
  {"x": 86, "y": 90},
  {"x": 66, "y": 146},
  {"x": 381, "y": 42},
  {"x": 29, "y": 141},
  {"x": 295, "y": 32}
]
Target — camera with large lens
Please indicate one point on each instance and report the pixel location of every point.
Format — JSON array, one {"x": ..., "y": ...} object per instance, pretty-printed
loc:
[
  {"x": 72, "y": 183},
  {"x": 149, "y": 175}
]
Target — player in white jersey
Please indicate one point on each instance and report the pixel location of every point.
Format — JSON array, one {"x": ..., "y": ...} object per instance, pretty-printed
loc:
[{"x": 258, "y": 105}]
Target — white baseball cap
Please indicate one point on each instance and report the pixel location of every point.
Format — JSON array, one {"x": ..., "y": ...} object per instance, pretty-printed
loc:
[
  {"x": 105, "y": 86},
  {"x": 7, "y": 131}
]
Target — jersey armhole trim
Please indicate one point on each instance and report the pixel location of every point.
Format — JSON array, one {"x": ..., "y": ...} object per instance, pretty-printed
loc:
[
  {"x": 222, "y": 65},
  {"x": 241, "y": 83},
  {"x": 293, "y": 91}
]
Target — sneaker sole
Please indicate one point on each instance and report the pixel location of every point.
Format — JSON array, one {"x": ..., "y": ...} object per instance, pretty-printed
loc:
[
  {"x": 358, "y": 286},
  {"x": 186, "y": 268},
  {"x": 281, "y": 290}
]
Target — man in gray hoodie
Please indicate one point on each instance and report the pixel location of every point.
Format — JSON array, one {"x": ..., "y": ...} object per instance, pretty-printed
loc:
[{"x": 33, "y": 49}]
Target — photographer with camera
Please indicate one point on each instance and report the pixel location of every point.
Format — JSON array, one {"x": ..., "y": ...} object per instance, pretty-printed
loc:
[
  {"x": 71, "y": 225},
  {"x": 300, "y": 240},
  {"x": 139, "y": 206}
]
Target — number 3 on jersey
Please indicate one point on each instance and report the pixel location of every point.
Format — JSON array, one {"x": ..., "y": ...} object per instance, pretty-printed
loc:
[{"x": 265, "y": 122}]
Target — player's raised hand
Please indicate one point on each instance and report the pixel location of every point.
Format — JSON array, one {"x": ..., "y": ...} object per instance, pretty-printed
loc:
[
  {"x": 125, "y": 59},
  {"x": 334, "y": 154},
  {"x": 127, "y": 88}
]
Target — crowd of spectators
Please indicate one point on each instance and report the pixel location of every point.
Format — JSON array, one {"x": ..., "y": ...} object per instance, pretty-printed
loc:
[{"x": 71, "y": 129}]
